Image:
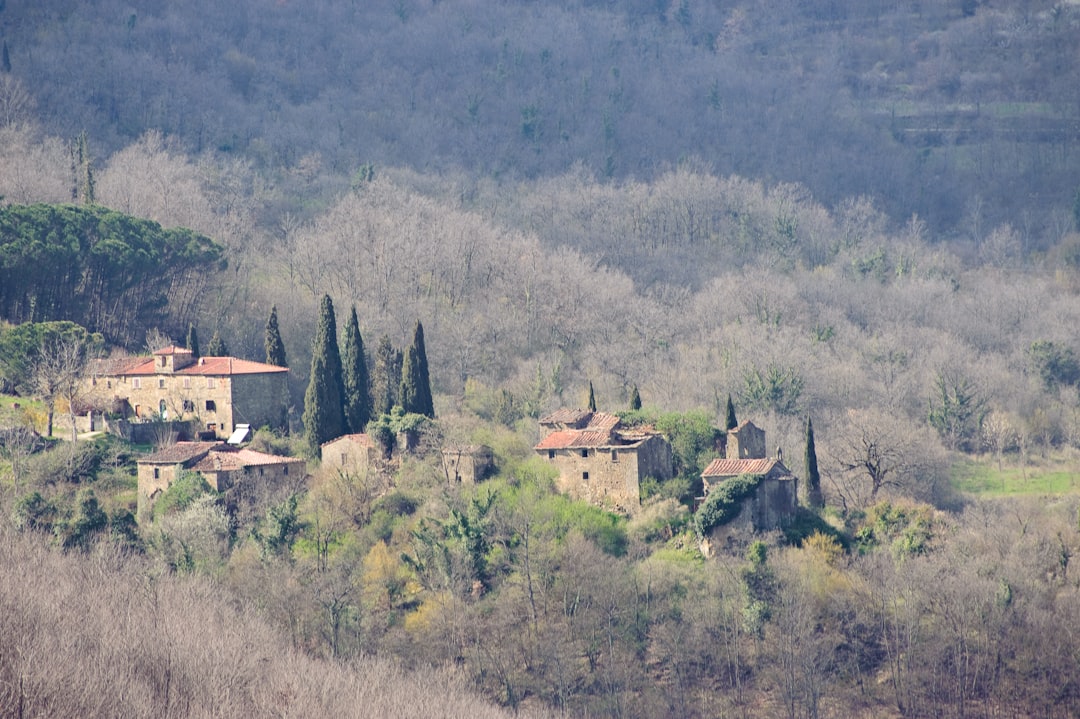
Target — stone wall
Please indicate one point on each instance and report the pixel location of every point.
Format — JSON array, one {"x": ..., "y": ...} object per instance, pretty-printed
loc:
[{"x": 607, "y": 476}]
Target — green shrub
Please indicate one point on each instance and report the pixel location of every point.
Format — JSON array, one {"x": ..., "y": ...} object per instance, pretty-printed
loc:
[
  {"x": 187, "y": 487},
  {"x": 724, "y": 502}
]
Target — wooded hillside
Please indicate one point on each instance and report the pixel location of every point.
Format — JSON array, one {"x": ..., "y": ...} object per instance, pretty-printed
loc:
[{"x": 941, "y": 109}]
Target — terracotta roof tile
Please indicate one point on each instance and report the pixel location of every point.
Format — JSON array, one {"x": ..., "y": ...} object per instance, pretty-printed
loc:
[
  {"x": 205, "y": 366},
  {"x": 360, "y": 439},
  {"x": 735, "y": 467}
]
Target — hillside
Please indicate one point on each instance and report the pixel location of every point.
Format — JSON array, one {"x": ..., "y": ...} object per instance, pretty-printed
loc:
[{"x": 940, "y": 109}]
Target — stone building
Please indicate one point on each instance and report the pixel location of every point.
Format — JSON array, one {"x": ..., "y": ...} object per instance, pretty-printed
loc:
[
  {"x": 467, "y": 464},
  {"x": 601, "y": 461},
  {"x": 776, "y": 500},
  {"x": 351, "y": 452},
  {"x": 222, "y": 466},
  {"x": 216, "y": 393}
]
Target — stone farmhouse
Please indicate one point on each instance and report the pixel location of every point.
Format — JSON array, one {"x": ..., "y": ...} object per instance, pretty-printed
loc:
[
  {"x": 215, "y": 393},
  {"x": 599, "y": 460},
  {"x": 776, "y": 499},
  {"x": 222, "y": 465}
]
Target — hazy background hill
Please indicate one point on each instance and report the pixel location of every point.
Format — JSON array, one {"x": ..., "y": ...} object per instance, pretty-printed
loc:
[{"x": 966, "y": 113}]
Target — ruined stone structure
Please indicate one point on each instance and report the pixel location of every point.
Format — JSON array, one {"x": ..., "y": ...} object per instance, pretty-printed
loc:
[
  {"x": 351, "y": 452},
  {"x": 223, "y": 466},
  {"x": 600, "y": 461},
  {"x": 216, "y": 392},
  {"x": 467, "y": 464},
  {"x": 775, "y": 502}
]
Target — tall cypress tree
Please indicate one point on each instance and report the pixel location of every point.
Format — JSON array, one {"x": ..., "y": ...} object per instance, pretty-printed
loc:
[
  {"x": 324, "y": 408},
  {"x": 592, "y": 398},
  {"x": 635, "y": 399},
  {"x": 813, "y": 479},
  {"x": 354, "y": 367},
  {"x": 193, "y": 340},
  {"x": 384, "y": 378},
  {"x": 217, "y": 347},
  {"x": 415, "y": 392},
  {"x": 5, "y": 63},
  {"x": 275, "y": 348},
  {"x": 731, "y": 422}
]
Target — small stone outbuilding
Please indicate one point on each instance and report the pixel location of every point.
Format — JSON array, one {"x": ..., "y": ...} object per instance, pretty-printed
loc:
[
  {"x": 467, "y": 464},
  {"x": 221, "y": 465},
  {"x": 774, "y": 504}
]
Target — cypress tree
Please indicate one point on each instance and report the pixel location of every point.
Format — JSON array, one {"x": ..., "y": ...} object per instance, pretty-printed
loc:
[
  {"x": 357, "y": 391},
  {"x": 193, "y": 340},
  {"x": 217, "y": 347},
  {"x": 592, "y": 398},
  {"x": 635, "y": 399},
  {"x": 415, "y": 392},
  {"x": 275, "y": 348},
  {"x": 5, "y": 64},
  {"x": 813, "y": 479},
  {"x": 384, "y": 384},
  {"x": 731, "y": 422},
  {"x": 324, "y": 408}
]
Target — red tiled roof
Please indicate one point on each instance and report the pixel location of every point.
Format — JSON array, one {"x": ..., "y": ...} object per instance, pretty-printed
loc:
[
  {"x": 180, "y": 452},
  {"x": 569, "y": 438},
  {"x": 234, "y": 459},
  {"x": 735, "y": 467},
  {"x": 206, "y": 366}
]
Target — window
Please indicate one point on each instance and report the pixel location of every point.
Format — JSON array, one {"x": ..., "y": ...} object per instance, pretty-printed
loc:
[
  {"x": 136, "y": 383},
  {"x": 162, "y": 360},
  {"x": 161, "y": 384},
  {"x": 285, "y": 469},
  {"x": 551, "y": 454},
  {"x": 108, "y": 384},
  {"x": 187, "y": 383},
  {"x": 584, "y": 453},
  {"x": 157, "y": 473},
  {"x": 210, "y": 383},
  {"x": 189, "y": 406},
  {"x": 260, "y": 471},
  {"x": 614, "y": 455},
  {"x": 585, "y": 476},
  {"x": 211, "y": 405}
]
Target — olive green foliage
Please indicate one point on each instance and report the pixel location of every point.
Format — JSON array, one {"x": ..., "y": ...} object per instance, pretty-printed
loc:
[
  {"x": 385, "y": 377},
  {"x": 193, "y": 341},
  {"x": 957, "y": 409},
  {"x": 730, "y": 422},
  {"x": 415, "y": 392},
  {"x": 184, "y": 490},
  {"x": 272, "y": 343},
  {"x": 35, "y": 512},
  {"x": 724, "y": 502},
  {"x": 107, "y": 271},
  {"x": 22, "y": 346},
  {"x": 217, "y": 346},
  {"x": 278, "y": 530},
  {"x": 1055, "y": 364},
  {"x": 813, "y": 476},
  {"x": 776, "y": 389},
  {"x": 635, "y": 399},
  {"x": 324, "y": 406},
  {"x": 693, "y": 439},
  {"x": 355, "y": 376},
  {"x": 907, "y": 530},
  {"x": 86, "y": 522},
  {"x": 385, "y": 428}
]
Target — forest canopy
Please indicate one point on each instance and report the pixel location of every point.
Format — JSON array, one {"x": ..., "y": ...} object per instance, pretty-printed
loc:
[{"x": 107, "y": 271}]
